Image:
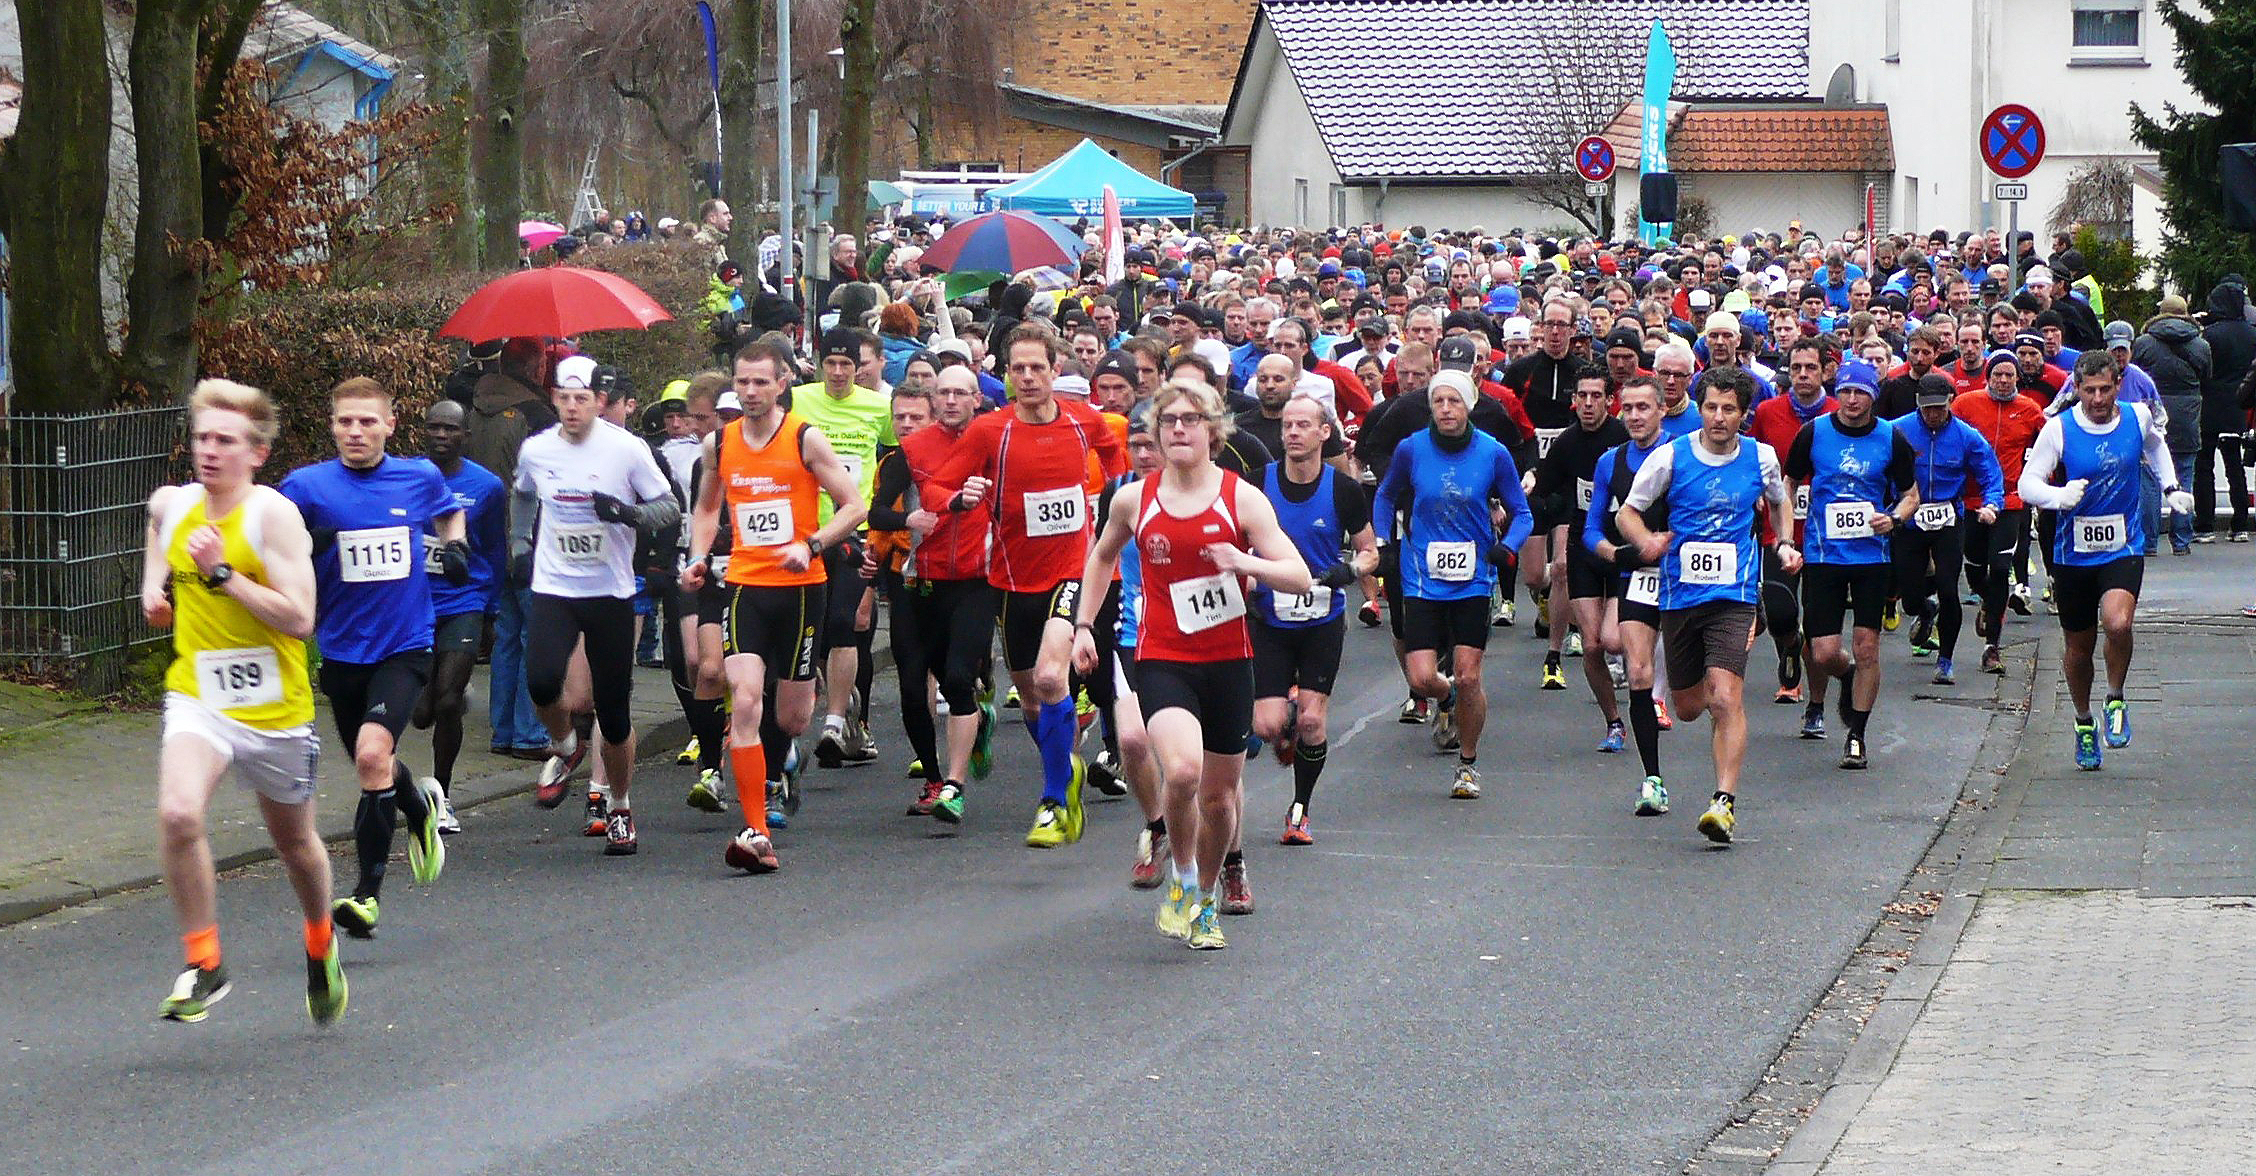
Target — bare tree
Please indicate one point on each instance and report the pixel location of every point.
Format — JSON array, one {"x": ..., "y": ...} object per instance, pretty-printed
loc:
[
  {"x": 501, "y": 144},
  {"x": 2098, "y": 196},
  {"x": 1591, "y": 73}
]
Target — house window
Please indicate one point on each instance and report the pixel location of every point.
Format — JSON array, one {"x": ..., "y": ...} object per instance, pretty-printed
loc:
[
  {"x": 1339, "y": 205},
  {"x": 2107, "y": 30},
  {"x": 1300, "y": 202},
  {"x": 1910, "y": 218}
]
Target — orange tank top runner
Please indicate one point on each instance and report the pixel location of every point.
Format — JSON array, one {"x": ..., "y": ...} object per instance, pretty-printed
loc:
[{"x": 770, "y": 497}]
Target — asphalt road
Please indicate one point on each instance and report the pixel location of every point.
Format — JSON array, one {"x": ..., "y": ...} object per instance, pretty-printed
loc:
[{"x": 1536, "y": 982}]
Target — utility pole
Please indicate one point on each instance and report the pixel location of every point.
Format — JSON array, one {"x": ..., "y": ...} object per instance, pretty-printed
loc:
[{"x": 785, "y": 177}]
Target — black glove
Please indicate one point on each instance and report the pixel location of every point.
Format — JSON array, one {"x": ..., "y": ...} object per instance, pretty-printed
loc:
[
  {"x": 323, "y": 538},
  {"x": 454, "y": 562},
  {"x": 521, "y": 566},
  {"x": 1339, "y": 575},
  {"x": 1502, "y": 557},
  {"x": 611, "y": 510}
]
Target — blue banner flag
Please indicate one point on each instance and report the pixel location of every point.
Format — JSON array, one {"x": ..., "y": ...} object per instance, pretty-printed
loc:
[
  {"x": 712, "y": 45},
  {"x": 1660, "y": 79}
]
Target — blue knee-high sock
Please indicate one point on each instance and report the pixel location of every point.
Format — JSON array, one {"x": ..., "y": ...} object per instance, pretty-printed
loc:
[{"x": 1053, "y": 735}]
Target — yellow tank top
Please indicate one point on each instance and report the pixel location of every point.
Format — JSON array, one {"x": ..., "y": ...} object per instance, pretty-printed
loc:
[{"x": 221, "y": 654}]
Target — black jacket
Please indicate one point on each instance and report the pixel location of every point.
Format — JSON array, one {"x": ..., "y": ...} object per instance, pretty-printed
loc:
[
  {"x": 2232, "y": 348},
  {"x": 2172, "y": 351}
]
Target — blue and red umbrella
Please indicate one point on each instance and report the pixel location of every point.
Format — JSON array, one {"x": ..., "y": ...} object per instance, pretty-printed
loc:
[{"x": 1004, "y": 242}]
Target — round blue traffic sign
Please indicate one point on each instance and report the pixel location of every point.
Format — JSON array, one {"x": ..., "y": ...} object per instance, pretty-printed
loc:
[
  {"x": 1594, "y": 159},
  {"x": 2012, "y": 140}
]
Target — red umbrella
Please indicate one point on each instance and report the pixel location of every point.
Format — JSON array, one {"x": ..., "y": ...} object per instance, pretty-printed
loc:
[{"x": 554, "y": 302}]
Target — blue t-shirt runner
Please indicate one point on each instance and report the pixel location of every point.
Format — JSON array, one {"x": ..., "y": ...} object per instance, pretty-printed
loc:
[
  {"x": 485, "y": 502},
  {"x": 369, "y": 528}
]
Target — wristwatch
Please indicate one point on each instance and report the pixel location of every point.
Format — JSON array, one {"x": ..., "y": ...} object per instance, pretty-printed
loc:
[
  {"x": 220, "y": 574},
  {"x": 814, "y": 546}
]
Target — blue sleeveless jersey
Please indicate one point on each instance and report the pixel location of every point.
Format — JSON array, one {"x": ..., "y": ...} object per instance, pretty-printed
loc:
[
  {"x": 1314, "y": 527},
  {"x": 1847, "y": 471},
  {"x": 1711, "y": 556},
  {"x": 2107, "y": 525}
]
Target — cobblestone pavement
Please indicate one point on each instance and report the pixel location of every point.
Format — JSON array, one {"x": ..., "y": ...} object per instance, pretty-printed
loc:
[{"x": 2076, "y": 1032}]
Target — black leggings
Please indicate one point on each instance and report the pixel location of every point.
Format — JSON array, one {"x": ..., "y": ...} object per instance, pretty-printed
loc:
[
  {"x": 554, "y": 625},
  {"x": 2214, "y": 445},
  {"x": 951, "y": 631},
  {"x": 1989, "y": 553},
  {"x": 913, "y": 659},
  {"x": 1927, "y": 562}
]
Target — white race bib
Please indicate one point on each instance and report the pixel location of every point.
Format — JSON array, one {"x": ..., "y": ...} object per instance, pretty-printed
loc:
[
  {"x": 2098, "y": 534},
  {"x": 232, "y": 679},
  {"x": 373, "y": 555},
  {"x": 1934, "y": 516},
  {"x": 579, "y": 544},
  {"x": 853, "y": 464},
  {"x": 1206, "y": 601},
  {"x": 1543, "y": 440},
  {"x": 1644, "y": 587},
  {"x": 766, "y": 523},
  {"x": 1312, "y": 605},
  {"x": 1054, "y": 512},
  {"x": 1848, "y": 520},
  {"x": 1708, "y": 563},
  {"x": 1452, "y": 562},
  {"x": 1582, "y": 493},
  {"x": 432, "y": 564},
  {"x": 717, "y": 565},
  {"x": 1801, "y": 502}
]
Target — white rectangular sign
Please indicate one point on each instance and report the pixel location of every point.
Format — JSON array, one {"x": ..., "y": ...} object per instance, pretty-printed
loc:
[{"x": 2012, "y": 191}]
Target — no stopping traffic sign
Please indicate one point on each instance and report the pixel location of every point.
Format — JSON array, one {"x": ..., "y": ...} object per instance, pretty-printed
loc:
[
  {"x": 2012, "y": 141},
  {"x": 1594, "y": 159}
]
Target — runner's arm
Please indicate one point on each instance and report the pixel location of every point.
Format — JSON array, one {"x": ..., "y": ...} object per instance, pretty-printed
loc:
[
  {"x": 1274, "y": 560},
  {"x": 285, "y": 602},
  {"x": 1594, "y": 521},
  {"x": 887, "y": 496},
  {"x": 705, "y": 511},
  {"x": 1989, "y": 473},
  {"x": 1104, "y": 555},
  {"x": 1391, "y": 497},
  {"x": 848, "y": 509},
  {"x": 2036, "y": 471},
  {"x": 156, "y": 570},
  {"x": 2158, "y": 453},
  {"x": 1507, "y": 490}
]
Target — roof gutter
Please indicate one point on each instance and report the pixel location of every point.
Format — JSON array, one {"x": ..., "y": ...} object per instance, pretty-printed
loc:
[{"x": 1167, "y": 170}]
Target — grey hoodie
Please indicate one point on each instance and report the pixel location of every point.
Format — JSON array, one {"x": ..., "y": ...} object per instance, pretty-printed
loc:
[{"x": 2173, "y": 352}]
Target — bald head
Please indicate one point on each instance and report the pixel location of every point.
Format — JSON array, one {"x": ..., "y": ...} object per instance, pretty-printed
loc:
[
  {"x": 1273, "y": 380},
  {"x": 955, "y": 396}
]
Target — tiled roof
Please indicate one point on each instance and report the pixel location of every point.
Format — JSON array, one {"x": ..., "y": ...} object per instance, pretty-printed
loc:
[
  {"x": 1445, "y": 88},
  {"x": 1804, "y": 138}
]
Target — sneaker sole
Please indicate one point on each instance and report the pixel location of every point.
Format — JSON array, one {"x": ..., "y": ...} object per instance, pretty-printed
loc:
[
  {"x": 947, "y": 816},
  {"x": 737, "y": 858},
  {"x": 705, "y": 800},
  {"x": 1714, "y": 831},
  {"x": 186, "y": 1018},
  {"x": 344, "y": 1001}
]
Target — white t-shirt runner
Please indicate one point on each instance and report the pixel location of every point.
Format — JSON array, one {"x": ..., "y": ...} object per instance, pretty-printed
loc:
[{"x": 575, "y": 554}]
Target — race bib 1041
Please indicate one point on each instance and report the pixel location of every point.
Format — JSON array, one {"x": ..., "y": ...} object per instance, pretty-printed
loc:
[{"x": 1934, "y": 516}]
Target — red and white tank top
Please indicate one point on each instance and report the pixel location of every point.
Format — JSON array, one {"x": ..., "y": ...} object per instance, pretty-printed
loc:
[{"x": 1193, "y": 611}]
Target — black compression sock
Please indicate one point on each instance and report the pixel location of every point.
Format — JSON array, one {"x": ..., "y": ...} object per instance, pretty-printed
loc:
[
  {"x": 373, "y": 824},
  {"x": 710, "y": 727},
  {"x": 583, "y": 725},
  {"x": 1645, "y": 724},
  {"x": 1233, "y": 858},
  {"x": 406, "y": 797},
  {"x": 1157, "y": 826},
  {"x": 1856, "y": 721},
  {"x": 1308, "y": 763}
]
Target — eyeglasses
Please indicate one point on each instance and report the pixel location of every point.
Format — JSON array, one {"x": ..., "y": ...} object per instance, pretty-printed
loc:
[{"x": 1171, "y": 420}]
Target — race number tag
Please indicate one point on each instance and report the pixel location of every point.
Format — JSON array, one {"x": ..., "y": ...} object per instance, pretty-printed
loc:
[
  {"x": 1543, "y": 440},
  {"x": 1582, "y": 493},
  {"x": 1053, "y": 512},
  {"x": 373, "y": 555},
  {"x": 764, "y": 524},
  {"x": 1312, "y": 605},
  {"x": 1934, "y": 516},
  {"x": 853, "y": 464},
  {"x": 1207, "y": 601},
  {"x": 432, "y": 564},
  {"x": 232, "y": 679},
  {"x": 1848, "y": 520},
  {"x": 1801, "y": 502},
  {"x": 1709, "y": 563},
  {"x": 580, "y": 544},
  {"x": 1644, "y": 587},
  {"x": 1452, "y": 562},
  {"x": 717, "y": 565},
  {"x": 2097, "y": 534}
]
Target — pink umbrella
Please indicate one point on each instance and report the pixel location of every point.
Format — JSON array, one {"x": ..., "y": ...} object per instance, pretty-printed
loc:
[{"x": 538, "y": 233}]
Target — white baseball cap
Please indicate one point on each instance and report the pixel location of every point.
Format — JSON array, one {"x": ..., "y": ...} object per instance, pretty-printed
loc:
[{"x": 1517, "y": 329}]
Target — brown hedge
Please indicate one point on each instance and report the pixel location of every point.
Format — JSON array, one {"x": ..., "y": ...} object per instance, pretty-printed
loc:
[{"x": 299, "y": 343}]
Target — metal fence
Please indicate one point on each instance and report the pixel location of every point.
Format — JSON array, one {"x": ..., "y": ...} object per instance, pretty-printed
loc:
[{"x": 72, "y": 494}]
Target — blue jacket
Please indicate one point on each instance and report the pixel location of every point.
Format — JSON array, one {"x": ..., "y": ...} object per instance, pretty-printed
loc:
[
  {"x": 1243, "y": 359},
  {"x": 1950, "y": 458}
]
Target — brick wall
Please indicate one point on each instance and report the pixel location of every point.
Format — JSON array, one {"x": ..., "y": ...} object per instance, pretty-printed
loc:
[{"x": 1131, "y": 51}]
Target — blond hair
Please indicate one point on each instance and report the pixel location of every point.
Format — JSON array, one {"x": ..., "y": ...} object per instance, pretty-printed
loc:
[
  {"x": 229, "y": 396},
  {"x": 1205, "y": 399}
]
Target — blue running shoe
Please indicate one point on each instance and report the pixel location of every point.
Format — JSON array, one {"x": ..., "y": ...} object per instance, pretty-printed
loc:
[
  {"x": 2087, "y": 747},
  {"x": 2118, "y": 719},
  {"x": 1813, "y": 723},
  {"x": 1613, "y": 741}
]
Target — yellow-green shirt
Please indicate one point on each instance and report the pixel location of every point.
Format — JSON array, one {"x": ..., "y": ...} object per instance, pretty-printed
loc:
[
  {"x": 223, "y": 656},
  {"x": 856, "y": 424}
]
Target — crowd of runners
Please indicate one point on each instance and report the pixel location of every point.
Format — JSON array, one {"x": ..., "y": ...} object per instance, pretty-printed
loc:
[{"x": 1141, "y": 513}]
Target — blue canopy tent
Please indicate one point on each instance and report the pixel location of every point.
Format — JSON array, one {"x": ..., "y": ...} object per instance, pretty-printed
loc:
[{"x": 1073, "y": 185}]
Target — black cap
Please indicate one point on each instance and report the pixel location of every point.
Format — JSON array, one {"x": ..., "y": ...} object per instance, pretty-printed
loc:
[
  {"x": 1115, "y": 363},
  {"x": 842, "y": 342},
  {"x": 1375, "y": 327},
  {"x": 1626, "y": 337},
  {"x": 1458, "y": 353},
  {"x": 1935, "y": 388}
]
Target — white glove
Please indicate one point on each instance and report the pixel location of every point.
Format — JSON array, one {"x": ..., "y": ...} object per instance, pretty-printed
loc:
[
  {"x": 2073, "y": 493},
  {"x": 2180, "y": 502}
]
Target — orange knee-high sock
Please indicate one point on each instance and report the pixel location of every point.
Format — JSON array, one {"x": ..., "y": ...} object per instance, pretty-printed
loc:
[
  {"x": 203, "y": 947},
  {"x": 319, "y": 934},
  {"x": 751, "y": 767}
]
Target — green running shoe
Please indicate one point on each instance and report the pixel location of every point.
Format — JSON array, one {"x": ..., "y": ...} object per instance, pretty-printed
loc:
[
  {"x": 947, "y": 808},
  {"x": 983, "y": 748},
  {"x": 426, "y": 850},
  {"x": 194, "y": 992},
  {"x": 705, "y": 795},
  {"x": 355, "y": 915},
  {"x": 1652, "y": 797},
  {"x": 326, "y": 990},
  {"x": 2118, "y": 720},
  {"x": 2087, "y": 747},
  {"x": 1073, "y": 811}
]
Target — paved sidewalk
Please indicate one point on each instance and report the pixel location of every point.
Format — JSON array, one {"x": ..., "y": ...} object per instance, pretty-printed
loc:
[
  {"x": 80, "y": 784},
  {"x": 2073, "y": 1008}
]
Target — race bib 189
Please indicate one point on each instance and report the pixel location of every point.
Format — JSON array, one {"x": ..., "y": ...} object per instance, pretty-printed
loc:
[
  {"x": 1848, "y": 520},
  {"x": 764, "y": 524},
  {"x": 379, "y": 553},
  {"x": 1644, "y": 587},
  {"x": 1452, "y": 562},
  {"x": 579, "y": 544},
  {"x": 1934, "y": 516},
  {"x": 1053, "y": 512},
  {"x": 1708, "y": 563},
  {"x": 2098, "y": 534},
  {"x": 1207, "y": 601},
  {"x": 1312, "y": 605},
  {"x": 233, "y": 679}
]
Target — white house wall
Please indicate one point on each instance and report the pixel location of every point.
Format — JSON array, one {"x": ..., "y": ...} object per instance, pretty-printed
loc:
[
  {"x": 1287, "y": 151},
  {"x": 1462, "y": 206},
  {"x": 1825, "y": 202},
  {"x": 1959, "y": 59}
]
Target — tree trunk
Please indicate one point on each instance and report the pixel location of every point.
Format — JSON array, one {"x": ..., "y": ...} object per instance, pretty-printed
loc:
[
  {"x": 857, "y": 34},
  {"x": 216, "y": 53},
  {"x": 743, "y": 37},
  {"x": 446, "y": 83},
  {"x": 161, "y": 293},
  {"x": 54, "y": 187},
  {"x": 501, "y": 146}
]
